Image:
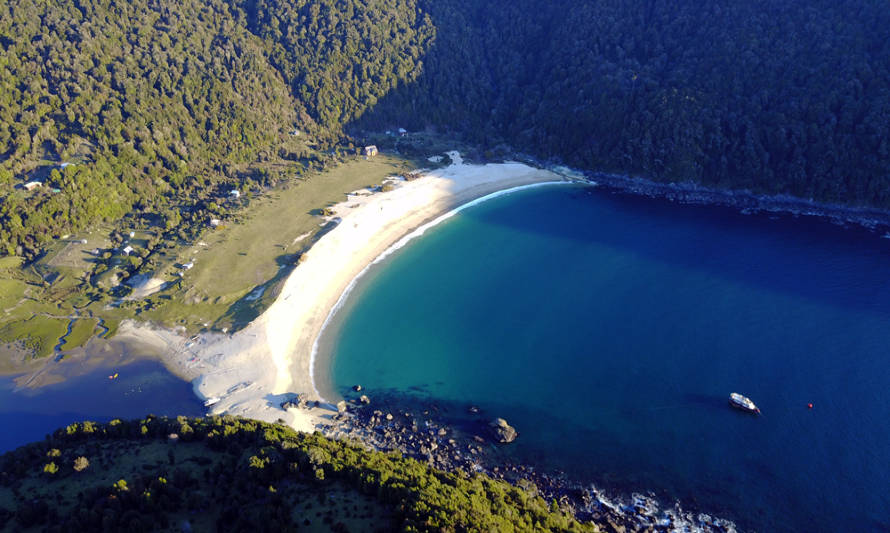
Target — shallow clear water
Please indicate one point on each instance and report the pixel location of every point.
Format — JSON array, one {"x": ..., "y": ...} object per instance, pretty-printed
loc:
[{"x": 610, "y": 330}]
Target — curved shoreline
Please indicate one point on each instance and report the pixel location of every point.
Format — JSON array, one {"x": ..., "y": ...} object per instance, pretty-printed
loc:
[
  {"x": 251, "y": 372},
  {"x": 402, "y": 242}
]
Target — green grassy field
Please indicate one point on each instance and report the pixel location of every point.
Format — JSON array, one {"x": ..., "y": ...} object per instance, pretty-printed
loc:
[
  {"x": 233, "y": 260},
  {"x": 81, "y": 332},
  {"x": 238, "y": 267},
  {"x": 10, "y": 262},
  {"x": 39, "y": 334}
]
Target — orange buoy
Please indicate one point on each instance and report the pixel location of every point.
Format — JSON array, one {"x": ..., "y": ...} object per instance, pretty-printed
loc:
[{"x": 809, "y": 406}]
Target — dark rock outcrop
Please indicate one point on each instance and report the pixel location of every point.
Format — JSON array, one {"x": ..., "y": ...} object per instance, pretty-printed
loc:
[{"x": 502, "y": 431}]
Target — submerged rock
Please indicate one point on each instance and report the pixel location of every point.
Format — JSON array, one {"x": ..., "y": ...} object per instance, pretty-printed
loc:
[
  {"x": 502, "y": 431},
  {"x": 341, "y": 406}
]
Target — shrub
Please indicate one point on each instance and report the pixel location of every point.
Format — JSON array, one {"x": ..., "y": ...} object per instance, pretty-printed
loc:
[{"x": 81, "y": 464}]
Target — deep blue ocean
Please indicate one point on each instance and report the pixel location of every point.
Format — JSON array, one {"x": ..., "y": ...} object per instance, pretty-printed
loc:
[{"x": 610, "y": 329}]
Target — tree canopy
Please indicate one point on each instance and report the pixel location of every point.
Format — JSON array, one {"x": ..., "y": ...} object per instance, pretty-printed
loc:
[
  {"x": 153, "y": 100},
  {"x": 789, "y": 97},
  {"x": 235, "y": 474}
]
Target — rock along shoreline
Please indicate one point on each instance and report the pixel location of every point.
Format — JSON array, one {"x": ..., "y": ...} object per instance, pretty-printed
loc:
[
  {"x": 745, "y": 201},
  {"x": 462, "y": 439}
]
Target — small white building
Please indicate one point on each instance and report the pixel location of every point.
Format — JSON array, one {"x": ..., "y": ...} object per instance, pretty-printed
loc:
[
  {"x": 403, "y": 132},
  {"x": 188, "y": 266},
  {"x": 235, "y": 193},
  {"x": 31, "y": 185},
  {"x": 128, "y": 250},
  {"x": 214, "y": 222},
  {"x": 132, "y": 234},
  {"x": 65, "y": 164}
]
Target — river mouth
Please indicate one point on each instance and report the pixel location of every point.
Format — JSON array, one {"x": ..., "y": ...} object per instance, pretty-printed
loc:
[
  {"x": 611, "y": 329},
  {"x": 108, "y": 379}
]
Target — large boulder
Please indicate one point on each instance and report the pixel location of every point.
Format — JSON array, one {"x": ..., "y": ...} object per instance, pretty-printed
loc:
[
  {"x": 294, "y": 401},
  {"x": 502, "y": 431}
]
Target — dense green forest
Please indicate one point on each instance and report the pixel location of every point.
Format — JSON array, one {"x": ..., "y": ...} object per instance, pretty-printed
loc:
[
  {"x": 230, "y": 474},
  {"x": 788, "y": 97},
  {"x": 156, "y": 102}
]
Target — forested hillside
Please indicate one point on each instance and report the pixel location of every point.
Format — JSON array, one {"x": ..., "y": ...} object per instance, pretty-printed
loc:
[
  {"x": 153, "y": 101},
  {"x": 776, "y": 97},
  {"x": 231, "y": 474}
]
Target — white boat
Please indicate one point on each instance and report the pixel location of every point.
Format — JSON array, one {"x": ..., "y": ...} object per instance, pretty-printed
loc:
[
  {"x": 743, "y": 402},
  {"x": 211, "y": 401}
]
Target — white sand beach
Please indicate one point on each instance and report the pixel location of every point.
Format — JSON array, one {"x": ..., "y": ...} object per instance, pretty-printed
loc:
[{"x": 253, "y": 370}]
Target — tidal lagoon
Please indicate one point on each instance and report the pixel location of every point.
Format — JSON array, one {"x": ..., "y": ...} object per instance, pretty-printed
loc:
[
  {"x": 610, "y": 330},
  {"x": 141, "y": 387}
]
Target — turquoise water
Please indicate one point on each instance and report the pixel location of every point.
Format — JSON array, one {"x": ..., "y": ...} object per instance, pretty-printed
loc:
[{"x": 610, "y": 330}]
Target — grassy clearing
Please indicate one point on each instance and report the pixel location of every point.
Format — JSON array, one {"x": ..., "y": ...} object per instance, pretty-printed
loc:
[
  {"x": 10, "y": 262},
  {"x": 112, "y": 326},
  {"x": 81, "y": 332},
  {"x": 11, "y": 292},
  {"x": 238, "y": 270},
  {"x": 39, "y": 334},
  {"x": 74, "y": 253},
  {"x": 236, "y": 258}
]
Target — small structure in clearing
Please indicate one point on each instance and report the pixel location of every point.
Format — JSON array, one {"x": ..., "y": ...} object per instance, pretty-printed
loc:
[
  {"x": 188, "y": 266},
  {"x": 235, "y": 193},
  {"x": 128, "y": 250},
  {"x": 214, "y": 222},
  {"x": 31, "y": 185},
  {"x": 370, "y": 151},
  {"x": 403, "y": 132}
]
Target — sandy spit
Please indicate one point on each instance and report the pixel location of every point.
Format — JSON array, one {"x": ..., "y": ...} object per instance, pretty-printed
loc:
[{"x": 253, "y": 370}]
